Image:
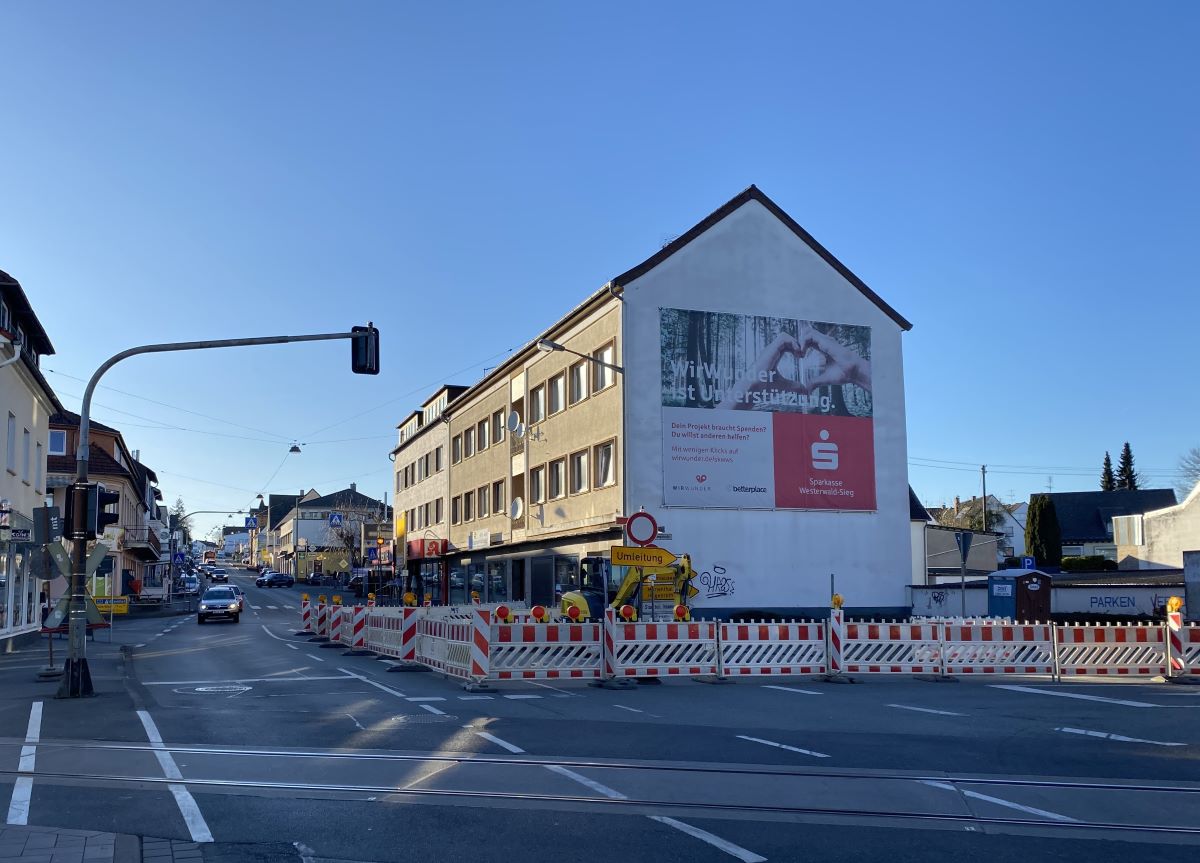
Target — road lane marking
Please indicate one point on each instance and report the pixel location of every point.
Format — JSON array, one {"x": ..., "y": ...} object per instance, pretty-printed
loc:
[
  {"x": 273, "y": 607},
  {"x": 18, "y": 809},
  {"x": 794, "y": 689},
  {"x": 270, "y": 633},
  {"x": 503, "y": 744},
  {"x": 703, "y": 835},
  {"x": 925, "y": 710},
  {"x": 522, "y": 697},
  {"x": 474, "y": 698},
  {"x": 376, "y": 684},
  {"x": 630, "y": 709},
  {"x": 1081, "y": 697},
  {"x": 783, "y": 746},
  {"x": 1120, "y": 738},
  {"x": 432, "y": 709},
  {"x": 196, "y": 825},
  {"x": 356, "y": 723},
  {"x": 143, "y": 644},
  {"x": 300, "y": 679},
  {"x": 293, "y": 647},
  {"x": 315, "y": 658},
  {"x": 565, "y": 692},
  {"x": 425, "y": 698},
  {"x": 999, "y": 801},
  {"x": 725, "y": 845}
]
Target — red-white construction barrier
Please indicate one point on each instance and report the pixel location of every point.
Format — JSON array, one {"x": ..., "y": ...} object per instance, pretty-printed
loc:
[
  {"x": 335, "y": 623},
  {"x": 892, "y": 648},
  {"x": 305, "y": 615},
  {"x": 321, "y": 626},
  {"x": 1177, "y": 646},
  {"x": 663, "y": 649},
  {"x": 772, "y": 648},
  {"x": 541, "y": 651},
  {"x": 357, "y": 635},
  {"x": 1111, "y": 650},
  {"x": 982, "y": 648}
]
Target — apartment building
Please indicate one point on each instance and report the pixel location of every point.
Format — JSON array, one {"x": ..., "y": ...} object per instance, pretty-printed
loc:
[
  {"x": 420, "y": 463},
  {"x": 27, "y": 403},
  {"x": 741, "y": 385}
]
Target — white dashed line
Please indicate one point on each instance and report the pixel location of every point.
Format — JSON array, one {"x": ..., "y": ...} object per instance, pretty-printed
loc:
[
  {"x": 273, "y": 607},
  {"x": 183, "y": 798},
  {"x": 1031, "y": 810},
  {"x": 1120, "y": 738},
  {"x": 630, "y": 709},
  {"x": 503, "y": 744},
  {"x": 293, "y": 647},
  {"x": 522, "y": 697},
  {"x": 794, "y": 689},
  {"x": 432, "y": 709},
  {"x": 925, "y": 710},
  {"x": 371, "y": 682},
  {"x": 474, "y": 698},
  {"x": 783, "y": 746},
  {"x": 1080, "y": 696},
  {"x": 416, "y": 698},
  {"x": 317, "y": 658},
  {"x": 18, "y": 809}
]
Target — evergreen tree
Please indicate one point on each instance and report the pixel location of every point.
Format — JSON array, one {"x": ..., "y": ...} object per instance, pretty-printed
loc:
[
  {"x": 1108, "y": 482},
  {"x": 1127, "y": 477},
  {"x": 1043, "y": 537},
  {"x": 181, "y": 523}
]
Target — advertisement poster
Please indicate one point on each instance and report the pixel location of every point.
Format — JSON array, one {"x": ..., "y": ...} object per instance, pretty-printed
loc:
[{"x": 765, "y": 412}]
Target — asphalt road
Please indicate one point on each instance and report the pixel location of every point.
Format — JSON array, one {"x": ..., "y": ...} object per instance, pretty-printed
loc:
[{"x": 270, "y": 740}]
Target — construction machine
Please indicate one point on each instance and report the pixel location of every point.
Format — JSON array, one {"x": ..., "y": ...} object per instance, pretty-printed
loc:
[{"x": 670, "y": 585}]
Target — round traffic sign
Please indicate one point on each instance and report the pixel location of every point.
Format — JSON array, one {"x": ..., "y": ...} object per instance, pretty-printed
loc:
[{"x": 641, "y": 528}]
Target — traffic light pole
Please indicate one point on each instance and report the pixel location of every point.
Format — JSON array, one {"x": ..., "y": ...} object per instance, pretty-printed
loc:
[{"x": 77, "y": 680}]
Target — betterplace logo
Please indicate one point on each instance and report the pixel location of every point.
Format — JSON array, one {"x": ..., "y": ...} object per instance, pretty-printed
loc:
[{"x": 748, "y": 489}]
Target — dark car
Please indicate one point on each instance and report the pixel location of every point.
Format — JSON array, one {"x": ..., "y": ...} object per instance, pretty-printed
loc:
[
  {"x": 219, "y": 602},
  {"x": 274, "y": 579},
  {"x": 219, "y": 574}
]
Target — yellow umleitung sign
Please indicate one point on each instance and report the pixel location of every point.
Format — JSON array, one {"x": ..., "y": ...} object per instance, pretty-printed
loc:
[
  {"x": 112, "y": 604},
  {"x": 651, "y": 555}
]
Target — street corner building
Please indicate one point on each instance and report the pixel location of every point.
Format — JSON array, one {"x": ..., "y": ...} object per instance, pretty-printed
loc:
[{"x": 741, "y": 385}]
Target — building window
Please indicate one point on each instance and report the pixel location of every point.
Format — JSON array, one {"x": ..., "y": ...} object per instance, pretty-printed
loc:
[
  {"x": 537, "y": 485},
  {"x": 482, "y": 496},
  {"x": 412, "y": 518},
  {"x": 606, "y": 470},
  {"x": 558, "y": 479},
  {"x": 537, "y": 404},
  {"x": 1072, "y": 551},
  {"x": 437, "y": 511},
  {"x": 579, "y": 381},
  {"x": 39, "y": 465},
  {"x": 420, "y": 465},
  {"x": 11, "y": 460},
  {"x": 468, "y": 506},
  {"x": 437, "y": 460},
  {"x": 399, "y": 477},
  {"x": 498, "y": 426},
  {"x": 455, "y": 510},
  {"x": 25, "y": 439},
  {"x": 498, "y": 496},
  {"x": 427, "y": 465},
  {"x": 558, "y": 385},
  {"x": 481, "y": 435},
  {"x": 456, "y": 449},
  {"x": 58, "y": 443},
  {"x": 603, "y": 376},
  {"x": 468, "y": 443},
  {"x": 579, "y": 472}
]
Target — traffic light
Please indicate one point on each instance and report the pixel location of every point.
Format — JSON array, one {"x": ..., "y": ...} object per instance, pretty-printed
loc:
[
  {"x": 364, "y": 350},
  {"x": 98, "y": 516}
]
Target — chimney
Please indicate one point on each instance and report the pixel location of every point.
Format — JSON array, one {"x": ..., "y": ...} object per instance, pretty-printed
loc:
[
  {"x": 353, "y": 488},
  {"x": 957, "y": 504}
]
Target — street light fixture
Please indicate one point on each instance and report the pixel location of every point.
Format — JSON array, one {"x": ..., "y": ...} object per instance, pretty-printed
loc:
[{"x": 549, "y": 346}]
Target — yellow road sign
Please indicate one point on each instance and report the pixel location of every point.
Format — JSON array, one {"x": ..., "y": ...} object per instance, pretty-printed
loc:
[
  {"x": 114, "y": 604},
  {"x": 650, "y": 555}
]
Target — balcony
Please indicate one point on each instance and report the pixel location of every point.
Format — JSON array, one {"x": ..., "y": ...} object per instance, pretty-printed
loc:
[{"x": 142, "y": 540}]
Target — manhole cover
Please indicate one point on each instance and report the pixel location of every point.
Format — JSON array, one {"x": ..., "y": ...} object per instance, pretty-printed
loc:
[
  {"x": 222, "y": 689},
  {"x": 425, "y": 719}
]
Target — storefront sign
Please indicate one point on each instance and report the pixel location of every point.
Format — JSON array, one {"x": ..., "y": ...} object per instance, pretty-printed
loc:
[
  {"x": 481, "y": 538},
  {"x": 766, "y": 413},
  {"x": 424, "y": 548}
]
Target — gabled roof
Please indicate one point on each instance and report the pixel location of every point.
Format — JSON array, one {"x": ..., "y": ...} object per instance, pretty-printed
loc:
[
  {"x": 755, "y": 194},
  {"x": 349, "y": 498},
  {"x": 1086, "y": 516},
  {"x": 916, "y": 510},
  {"x": 99, "y": 462},
  {"x": 278, "y": 506},
  {"x": 21, "y": 308},
  {"x": 71, "y": 420}
]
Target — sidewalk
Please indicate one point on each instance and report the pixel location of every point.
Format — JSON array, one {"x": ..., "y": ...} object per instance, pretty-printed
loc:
[{"x": 52, "y": 845}]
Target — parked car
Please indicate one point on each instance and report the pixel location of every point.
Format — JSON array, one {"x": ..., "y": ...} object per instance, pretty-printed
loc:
[
  {"x": 274, "y": 579},
  {"x": 219, "y": 602},
  {"x": 218, "y": 574}
]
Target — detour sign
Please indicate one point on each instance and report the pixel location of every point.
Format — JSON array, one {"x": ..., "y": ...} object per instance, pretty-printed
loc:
[{"x": 650, "y": 555}]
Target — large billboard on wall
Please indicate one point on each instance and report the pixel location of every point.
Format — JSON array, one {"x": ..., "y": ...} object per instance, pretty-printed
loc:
[{"x": 766, "y": 413}]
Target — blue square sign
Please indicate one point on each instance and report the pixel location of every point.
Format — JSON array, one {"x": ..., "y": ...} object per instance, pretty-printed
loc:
[{"x": 1028, "y": 562}]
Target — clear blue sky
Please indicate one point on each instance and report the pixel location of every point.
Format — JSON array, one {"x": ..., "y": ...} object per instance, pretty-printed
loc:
[{"x": 1018, "y": 179}]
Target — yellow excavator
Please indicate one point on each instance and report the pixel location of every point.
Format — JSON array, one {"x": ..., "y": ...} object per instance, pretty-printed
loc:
[{"x": 641, "y": 583}]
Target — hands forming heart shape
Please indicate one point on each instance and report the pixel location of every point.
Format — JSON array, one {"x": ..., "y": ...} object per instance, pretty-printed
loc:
[{"x": 841, "y": 366}]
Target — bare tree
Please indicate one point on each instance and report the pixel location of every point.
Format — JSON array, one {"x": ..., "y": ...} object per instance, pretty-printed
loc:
[{"x": 1189, "y": 469}]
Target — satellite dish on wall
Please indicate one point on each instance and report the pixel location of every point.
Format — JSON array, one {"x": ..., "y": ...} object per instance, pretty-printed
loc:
[
  {"x": 516, "y": 509},
  {"x": 513, "y": 421},
  {"x": 519, "y": 431}
]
